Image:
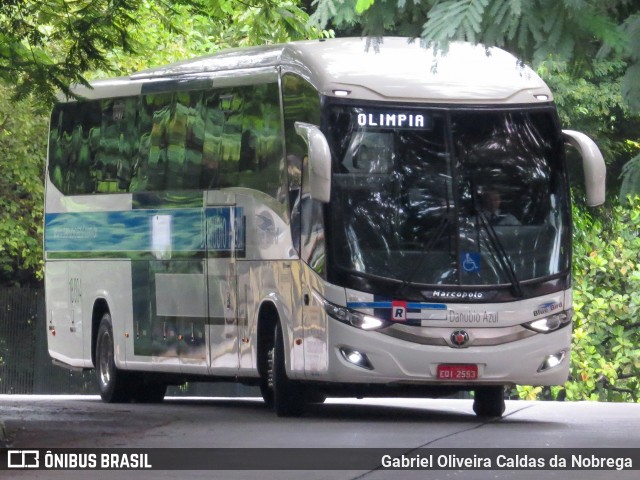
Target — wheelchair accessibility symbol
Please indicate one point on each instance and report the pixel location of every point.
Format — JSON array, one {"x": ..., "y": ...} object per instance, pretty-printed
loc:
[{"x": 470, "y": 262}]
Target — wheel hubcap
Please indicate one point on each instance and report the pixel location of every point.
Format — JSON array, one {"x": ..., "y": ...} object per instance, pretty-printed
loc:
[{"x": 106, "y": 359}]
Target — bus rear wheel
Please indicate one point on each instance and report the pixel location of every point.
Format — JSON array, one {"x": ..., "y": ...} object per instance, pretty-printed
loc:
[
  {"x": 489, "y": 401},
  {"x": 113, "y": 383}
]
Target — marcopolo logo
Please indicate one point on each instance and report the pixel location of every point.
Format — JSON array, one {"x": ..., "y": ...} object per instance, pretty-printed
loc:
[
  {"x": 457, "y": 295},
  {"x": 459, "y": 338},
  {"x": 23, "y": 459},
  {"x": 461, "y": 296}
]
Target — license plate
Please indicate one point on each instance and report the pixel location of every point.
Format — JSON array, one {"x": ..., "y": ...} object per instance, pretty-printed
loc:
[{"x": 457, "y": 372}]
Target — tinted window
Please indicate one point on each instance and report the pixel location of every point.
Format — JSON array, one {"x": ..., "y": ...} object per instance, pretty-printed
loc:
[
  {"x": 434, "y": 197},
  {"x": 302, "y": 104},
  {"x": 188, "y": 140}
]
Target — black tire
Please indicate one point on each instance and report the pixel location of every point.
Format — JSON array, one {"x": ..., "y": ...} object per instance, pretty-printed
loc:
[
  {"x": 489, "y": 401},
  {"x": 266, "y": 385},
  {"x": 113, "y": 383},
  {"x": 265, "y": 368},
  {"x": 288, "y": 396}
]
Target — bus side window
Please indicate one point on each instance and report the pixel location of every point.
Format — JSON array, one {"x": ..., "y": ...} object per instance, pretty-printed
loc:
[
  {"x": 185, "y": 140},
  {"x": 158, "y": 150},
  {"x": 184, "y": 131},
  {"x": 212, "y": 142},
  {"x": 55, "y": 158},
  {"x": 129, "y": 143},
  {"x": 232, "y": 105},
  {"x": 144, "y": 123},
  {"x": 140, "y": 167},
  {"x": 261, "y": 160},
  {"x": 176, "y": 138},
  {"x": 194, "y": 144},
  {"x": 71, "y": 146},
  {"x": 105, "y": 166}
]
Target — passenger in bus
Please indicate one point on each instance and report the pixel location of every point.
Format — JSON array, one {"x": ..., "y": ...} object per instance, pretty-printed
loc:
[
  {"x": 491, "y": 203},
  {"x": 362, "y": 159}
]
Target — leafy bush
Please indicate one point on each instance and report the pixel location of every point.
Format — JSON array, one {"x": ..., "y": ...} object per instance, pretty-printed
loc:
[
  {"x": 605, "y": 361},
  {"x": 23, "y": 142}
]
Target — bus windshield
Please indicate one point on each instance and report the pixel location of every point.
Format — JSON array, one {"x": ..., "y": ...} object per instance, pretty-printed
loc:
[{"x": 461, "y": 197}]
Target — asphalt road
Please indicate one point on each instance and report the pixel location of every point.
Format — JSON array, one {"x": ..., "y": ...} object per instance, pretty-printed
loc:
[{"x": 84, "y": 421}]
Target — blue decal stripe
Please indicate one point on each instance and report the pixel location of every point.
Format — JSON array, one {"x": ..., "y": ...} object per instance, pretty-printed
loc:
[
  {"x": 121, "y": 231},
  {"x": 427, "y": 306},
  {"x": 413, "y": 306},
  {"x": 368, "y": 304},
  {"x": 182, "y": 230}
]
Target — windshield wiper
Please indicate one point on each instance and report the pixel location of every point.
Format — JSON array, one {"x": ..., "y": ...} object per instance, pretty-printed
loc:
[
  {"x": 368, "y": 276},
  {"x": 402, "y": 284},
  {"x": 439, "y": 231},
  {"x": 499, "y": 251}
]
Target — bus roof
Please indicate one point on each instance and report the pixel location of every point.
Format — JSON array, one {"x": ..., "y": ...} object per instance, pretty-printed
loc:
[{"x": 389, "y": 69}]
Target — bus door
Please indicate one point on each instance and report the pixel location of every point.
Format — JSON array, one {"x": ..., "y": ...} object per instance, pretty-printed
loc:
[
  {"x": 312, "y": 252},
  {"x": 224, "y": 227}
]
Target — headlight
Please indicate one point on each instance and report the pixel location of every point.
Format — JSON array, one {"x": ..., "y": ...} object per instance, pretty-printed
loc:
[
  {"x": 550, "y": 323},
  {"x": 354, "y": 318}
]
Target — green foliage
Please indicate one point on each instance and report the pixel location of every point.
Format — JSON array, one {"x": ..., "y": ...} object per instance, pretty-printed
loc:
[
  {"x": 23, "y": 139},
  {"x": 363, "y": 5},
  {"x": 574, "y": 31},
  {"x": 630, "y": 82},
  {"x": 605, "y": 363},
  {"x": 591, "y": 102},
  {"x": 215, "y": 26},
  {"x": 341, "y": 13},
  {"x": 456, "y": 20},
  {"x": 47, "y": 44},
  {"x": 630, "y": 177}
]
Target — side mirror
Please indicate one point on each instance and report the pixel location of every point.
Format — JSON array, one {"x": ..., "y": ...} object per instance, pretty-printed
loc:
[
  {"x": 595, "y": 170},
  {"x": 319, "y": 161}
]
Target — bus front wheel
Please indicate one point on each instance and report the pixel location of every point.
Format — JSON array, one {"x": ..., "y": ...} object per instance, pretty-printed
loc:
[
  {"x": 489, "y": 401},
  {"x": 113, "y": 383},
  {"x": 288, "y": 395}
]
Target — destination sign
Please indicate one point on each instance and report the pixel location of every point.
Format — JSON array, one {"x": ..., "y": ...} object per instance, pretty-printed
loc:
[{"x": 393, "y": 119}]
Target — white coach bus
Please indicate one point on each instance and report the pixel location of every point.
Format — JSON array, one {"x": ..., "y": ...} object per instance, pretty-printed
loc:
[{"x": 316, "y": 218}]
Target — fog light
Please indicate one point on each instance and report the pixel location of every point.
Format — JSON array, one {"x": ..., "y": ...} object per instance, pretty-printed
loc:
[
  {"x": 552, "y": 361},
  {"x": 356, "y": 358}
]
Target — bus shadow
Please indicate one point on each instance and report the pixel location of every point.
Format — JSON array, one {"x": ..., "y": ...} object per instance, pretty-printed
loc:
[{"x": 348, "y": 410}]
